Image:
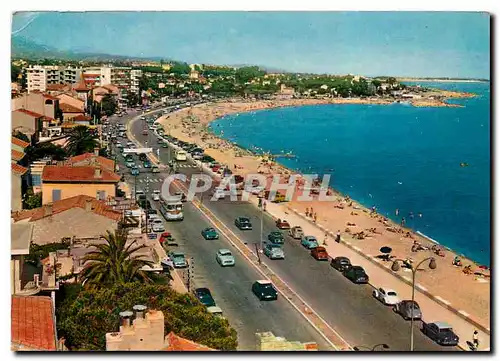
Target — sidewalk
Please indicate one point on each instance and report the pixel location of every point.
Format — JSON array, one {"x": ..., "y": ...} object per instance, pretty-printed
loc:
[{"x": 379, "y": 277}]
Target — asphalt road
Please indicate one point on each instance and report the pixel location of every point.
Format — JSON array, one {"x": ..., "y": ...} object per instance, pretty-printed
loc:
[
  {"x": 230, "y": 286},
  {"x": 347, "y": 307}
]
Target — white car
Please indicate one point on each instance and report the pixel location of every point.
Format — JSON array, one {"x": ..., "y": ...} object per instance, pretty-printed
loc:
[
  {"x": 225, "y": 258},
  {"x": 219, "y": 193},
  {"x": 386, "y": 296},
  {"x": 157, "y": 225},
  {"x": 156, "y": 195}
]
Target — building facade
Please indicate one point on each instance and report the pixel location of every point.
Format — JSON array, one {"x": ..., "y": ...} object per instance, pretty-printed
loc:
[{"x": 38, "y": 76}]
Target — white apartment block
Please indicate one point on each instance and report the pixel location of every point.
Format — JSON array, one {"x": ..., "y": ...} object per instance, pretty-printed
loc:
[
  {"x": 135, "y": 76},
  {"x": 38, "y": 76}
]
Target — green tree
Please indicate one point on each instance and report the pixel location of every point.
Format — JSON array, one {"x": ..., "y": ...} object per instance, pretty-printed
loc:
[
  {"x": 81, "y": 140},
  {"x": 14, "y": 73},
  {"x": 39, "y": 252},
  {"x": 40, "y": 151},
  {"x": 376, "y": 83},
  {"x": 19, "y": 135},
  {"x": 247, "y": 73},
  {"x": 108, "y": 104},
  {"x": 114, "y": 262},
  {"x": 85, "y": 315},
  {"x": 179, "y": 68},
  {"x": 32, "y": 200},
  {"x": 133, "y": 98}
]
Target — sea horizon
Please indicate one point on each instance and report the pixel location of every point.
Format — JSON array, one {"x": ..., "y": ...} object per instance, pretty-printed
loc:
[{"x": 354, "y": 142}]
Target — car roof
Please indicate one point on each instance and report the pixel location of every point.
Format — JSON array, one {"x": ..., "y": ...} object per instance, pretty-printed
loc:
[
  {"x": 224, "y": 250},
  {"x": 442, "y": 324},
  {"x": 177, "y": 254},
  {"x": 202, "y": 289},
  {"x": 357, "y": 268},
  {"x": 264, "y": 282}
]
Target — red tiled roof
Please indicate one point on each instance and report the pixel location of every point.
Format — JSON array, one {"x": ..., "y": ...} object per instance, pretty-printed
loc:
[
  {"x": 32, "y": 322},
  {"x": 48, "y": 96},
  {"x": 82, "y": 117},
  {"x": 66, "y": 108},
  {"x": 16, "y": 168},
  {"x": 16, "y": 155},
  {"x": 29, "y": 112},
  {"x": 103, "y": 161},
  {"x": 56, "y": 86},
  {"x": 19, "y": 142},
  {"x": 80, "y": 201},
  {"x": 177, "y": 343},
  {"x": 77, "y": 174}
]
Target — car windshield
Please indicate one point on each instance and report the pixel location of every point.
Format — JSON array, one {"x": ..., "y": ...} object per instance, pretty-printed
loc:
[
  {"x": 266, "y": 286},
  {"x": 210, "y": 230},
  {"x": 225, "y": 253},
  {"x": 391, "y": 293},
  {"x": 244, "y": 220},
  {"x": 415, "y": 305}
]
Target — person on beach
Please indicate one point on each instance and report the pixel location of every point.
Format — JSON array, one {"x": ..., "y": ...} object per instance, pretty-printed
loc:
[
  {"x": 475, "y": 339},
  {"x": 325, "y": 239},
  {"x": 311, "y": 212},
  {"x": 403, "y": 222},
  {"x": 457, "y": 262},
  {"x": 315, "y": 217},
  {"x": 264, "y": 205},
  {"x": 337, "y": 237},
  {"x": 260, "y": 202},
  {"x": 411, "y": 215}
]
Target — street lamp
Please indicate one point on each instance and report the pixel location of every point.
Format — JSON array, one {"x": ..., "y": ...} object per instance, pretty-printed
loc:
[
  {"x": 414, "y": 269},
  {"x": 383, "y": 345}
]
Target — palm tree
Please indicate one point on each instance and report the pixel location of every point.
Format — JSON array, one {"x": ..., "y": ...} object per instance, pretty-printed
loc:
[
  {"x": 114, "y": 262},
  {"x": 81, "y": 140}
]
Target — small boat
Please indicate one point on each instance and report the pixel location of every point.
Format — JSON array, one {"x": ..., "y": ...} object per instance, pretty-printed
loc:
[{"x": 463, "y": 164}]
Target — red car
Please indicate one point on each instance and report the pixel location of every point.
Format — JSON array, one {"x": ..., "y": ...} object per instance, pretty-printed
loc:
[
  {"x": 282, "y": 224},
  {"x": 166, "y": 237},
  {"x": 319, "y": 253}
]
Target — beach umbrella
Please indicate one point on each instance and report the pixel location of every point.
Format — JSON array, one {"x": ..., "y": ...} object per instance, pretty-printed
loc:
[{"x": 386, "y": 250}]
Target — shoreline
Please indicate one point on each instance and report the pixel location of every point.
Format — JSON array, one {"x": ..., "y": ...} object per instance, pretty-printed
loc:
[
  {"x": 443, "y": 80},
  {"x": 344, "y": 210}
]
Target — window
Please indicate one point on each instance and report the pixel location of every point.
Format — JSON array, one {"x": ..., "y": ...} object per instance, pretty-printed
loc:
[
  {"x": 48, "y": 102},
  {"x": 101, "y": 195},
  {"x": 36, "y": 180},
  {"x": 56, "y": 195}
]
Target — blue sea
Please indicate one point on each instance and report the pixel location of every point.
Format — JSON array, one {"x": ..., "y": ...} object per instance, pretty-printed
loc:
[{"x": 392, "y": 157}]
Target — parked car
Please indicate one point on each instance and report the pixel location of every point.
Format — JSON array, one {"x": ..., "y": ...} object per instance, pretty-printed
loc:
[
  {"x": 156, "y": 195},
  {"x": 178, "y": 259},
  {"x": 341, "y": 263},
  {"x": 282, "y": 224},
  {"x": 204, "y": 296},
  {"x": 157, "y": 225},
  {"x": 319, "y": 254},
  {"x": 441, "y": 333},
  {"x": 274, "y": 251},
  {"x": 225, "y": 258},
  {"x": 356, "y": 274},
  {"x": 210, "y": 233},
  {"x": 216, "y": 311},
  {"x": 264, "y": 290},
  {"x": 276, "y": 237},
  {"x": 134, "y": 170},
  {"x": 130, "y": 164},
  {"x": 296, "y": 232},
  {"x": 309, "y": 242},
  {"x": 155, "y": 169},
  {"x": 404, "y": 308},
  {"x": 166, "y": 237},
  {"x": 386, "y": 296},
  {"x": 146, "y": 164},
  {"x": 243, "y": 223}
]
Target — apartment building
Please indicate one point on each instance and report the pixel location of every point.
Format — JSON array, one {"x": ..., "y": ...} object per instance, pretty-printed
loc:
[
  {"x": 135, "y": 76},
  {"x": 40, "y": 76}
]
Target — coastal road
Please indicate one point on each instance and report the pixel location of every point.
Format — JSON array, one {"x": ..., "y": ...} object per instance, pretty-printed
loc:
[
  {"x": 231, "y": 287},
  {"x": 347, "y": 307}
]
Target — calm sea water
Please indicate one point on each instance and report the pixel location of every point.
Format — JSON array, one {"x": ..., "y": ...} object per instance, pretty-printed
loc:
[{"x": 392, "y": 157}]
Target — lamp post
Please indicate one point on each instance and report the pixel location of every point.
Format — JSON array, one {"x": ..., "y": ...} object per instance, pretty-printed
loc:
[
  {"x": 414, "y": 269},
  {"x": 383, "y": 345}
]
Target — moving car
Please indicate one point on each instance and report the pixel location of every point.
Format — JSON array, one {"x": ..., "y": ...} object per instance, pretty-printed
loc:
[
  {"x": 264, "y": 290},
  {"x": 130, "y": 164},
  {"x": 296, "y": 232},
  {"x": 282, "y": 224},
  {"x": 274, "y": 251},
  {"x": 181, "y": 196},
  {"x": 404, "y": 308},
  {"x": 157, "y": 225},
  {"x": 276, "y": 237},
  {"x": 386, "y": 296},
  {"x": 156, "y": 195},
  {"x": 309, "y": 242},
  {"x": 225, "y": 258},
  {"x": 134, "y": 170},
  {"x": 178, "y": 259},
  {"x": 204, "y": 296},
  {"x": 319, "y": 253},
  {"x": 218, "y": 193},
  {"x": 356, "y": 274},
  {"x": 210, "y": 233},
  {"x": 155, "y": 169},
  {"x": 243, "y": 223},
  {"x": 341, "y": 263},
  {"x": 441, "y": 333},
  {"x": 146, "y": 164}
]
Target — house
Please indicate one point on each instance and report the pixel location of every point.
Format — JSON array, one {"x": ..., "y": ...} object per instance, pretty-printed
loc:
[
  {"x": 20, "y": 242},
  {"x": 40, "y": 103},
  {"x": 99, "y": 92},
  {"x": 286, "y": 93},
  {"x": 146, "y": 332},
  {"x": 82, "y": 120},
  {"x": 71, "y": 100},
  {"x": 36, "y": 171},
  {"x": 33, "y": 325},
  {"x": 65, "y": 181},
  {"x": 54, "y": 89},
  {"x": 19, "y": 174},
  {"x": 70, "y": 111},
  {"x": 92, "y": 159},
  {"x": 27, "y": 122},
  {"x": 80, "y": 216}
]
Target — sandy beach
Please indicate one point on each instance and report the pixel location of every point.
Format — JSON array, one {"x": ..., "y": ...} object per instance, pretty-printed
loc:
[{"x": 342, "y": 214}]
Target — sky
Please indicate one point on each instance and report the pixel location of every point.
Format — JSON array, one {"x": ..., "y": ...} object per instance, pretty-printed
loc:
[{"x": 420, "y": 44}]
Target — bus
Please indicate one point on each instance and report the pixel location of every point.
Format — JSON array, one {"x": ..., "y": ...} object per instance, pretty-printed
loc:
[
  {"x": 180, "y": 155},
  {"x": 172, "y": 210}
]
